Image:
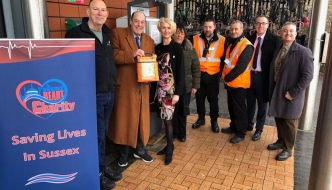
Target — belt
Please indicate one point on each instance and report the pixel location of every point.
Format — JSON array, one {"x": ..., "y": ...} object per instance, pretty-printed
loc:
[{"x": 255, "y": 72}]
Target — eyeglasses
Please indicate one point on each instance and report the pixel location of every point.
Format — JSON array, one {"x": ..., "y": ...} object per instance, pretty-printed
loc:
[{"x": 261, "y": 23}]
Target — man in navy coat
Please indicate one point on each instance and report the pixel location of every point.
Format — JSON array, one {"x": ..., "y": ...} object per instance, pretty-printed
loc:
[
  {"x": 291, "y": 72},
  {"x": 265, "y": 43}
]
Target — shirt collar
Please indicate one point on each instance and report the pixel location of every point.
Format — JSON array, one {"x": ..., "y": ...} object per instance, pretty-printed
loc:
[
  {"x": 288, "y": 46},
  {"x": 262, "y": 36},
  {"x": 136, "y": 36}
]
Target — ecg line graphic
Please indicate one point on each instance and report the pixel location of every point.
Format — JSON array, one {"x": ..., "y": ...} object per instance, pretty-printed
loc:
[{"x": 31, "y": 46}]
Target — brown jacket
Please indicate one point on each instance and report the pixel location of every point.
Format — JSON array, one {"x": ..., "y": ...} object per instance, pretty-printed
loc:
[{"x": 131, "y": 111}]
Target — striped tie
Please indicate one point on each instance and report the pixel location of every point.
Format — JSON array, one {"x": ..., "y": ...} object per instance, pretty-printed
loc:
[
  {"x": 278, "y": 63},
  {"x": 138, "y": 42}
]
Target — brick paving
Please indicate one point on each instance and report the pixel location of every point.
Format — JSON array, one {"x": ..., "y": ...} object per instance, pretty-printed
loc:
[{"x": 208, "y": 160}]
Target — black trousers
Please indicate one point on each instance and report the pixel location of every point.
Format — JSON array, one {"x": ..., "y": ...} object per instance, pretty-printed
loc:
[
  {"x": 180, "y": 119},
  {"x": 236, "y": 99},
  {"x": 287, "y": 129},
  {"x": 255, "y": 93},
  {"x": 124, "y": 150},
  {"x": 211, "y": 91}
]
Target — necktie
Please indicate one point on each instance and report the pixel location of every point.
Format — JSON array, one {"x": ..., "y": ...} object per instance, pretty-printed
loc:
[
  {"x": 254, "y": 65},
  {"x": 278, "y": 63},
  {"x": 137, "y": 42}
]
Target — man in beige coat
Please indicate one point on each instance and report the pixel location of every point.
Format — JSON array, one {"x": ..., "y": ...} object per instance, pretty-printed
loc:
[{"x": 130, "y": 120}]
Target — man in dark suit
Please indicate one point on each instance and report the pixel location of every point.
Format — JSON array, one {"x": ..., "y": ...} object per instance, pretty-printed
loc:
[
  {"x": 265, "y": 43},
  {"x": 291, "y": 72}
]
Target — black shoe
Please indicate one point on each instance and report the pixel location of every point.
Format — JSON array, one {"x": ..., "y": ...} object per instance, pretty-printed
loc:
[
  {"x": 145, "y": 157},
  {"x": 274, "y": 146},
  {"x": 250, "y": 129},
  {"x": 256, "y": 136},
  {"x": 163, "y": 151},
  {"x": 169, "y": 155},
  {"x": 236, "y": 139},
  {"x": 284, "y": 155},
  {"x": 215, "y": 127},
  {"x": 168, "y": 160},
  {"x": 198, "y": 123},
  {"x": 122, "y": 161},
  {"x": 112, "y": 175},
  {"x": 123, "y": 164},
  {"x": 105, "y": 183},
  {"x": 183, "y": 139},
  {"x": 227, "y": 130}
]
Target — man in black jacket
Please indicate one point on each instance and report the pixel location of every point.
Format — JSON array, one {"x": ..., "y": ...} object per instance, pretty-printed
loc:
[
  {"x": 94, "y": 27},
  {"x": 265, "y": 43},
  {"x": 210, "y": 48}
]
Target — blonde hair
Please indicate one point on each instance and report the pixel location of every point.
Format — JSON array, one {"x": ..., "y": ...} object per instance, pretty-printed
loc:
[{"x": 168, "y": 21}]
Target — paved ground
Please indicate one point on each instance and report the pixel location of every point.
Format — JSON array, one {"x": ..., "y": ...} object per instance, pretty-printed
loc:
[{"x": 208, "y": 161}]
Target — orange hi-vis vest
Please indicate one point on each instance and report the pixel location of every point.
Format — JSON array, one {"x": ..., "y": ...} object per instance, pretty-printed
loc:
[
  {"x": 243, "y": 80},
  {"x": 210, "y": 63}
]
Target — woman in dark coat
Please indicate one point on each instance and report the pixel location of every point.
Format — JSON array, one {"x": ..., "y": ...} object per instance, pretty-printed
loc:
[
  {"x": 192, "y": 82},
  {"x": 171, "y": 80}
]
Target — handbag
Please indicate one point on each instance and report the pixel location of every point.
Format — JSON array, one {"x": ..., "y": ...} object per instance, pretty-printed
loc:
[{"x": 147, "y": 68}]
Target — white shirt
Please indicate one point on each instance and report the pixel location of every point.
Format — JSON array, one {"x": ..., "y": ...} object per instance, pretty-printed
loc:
[{"x": 259, "y": 66}]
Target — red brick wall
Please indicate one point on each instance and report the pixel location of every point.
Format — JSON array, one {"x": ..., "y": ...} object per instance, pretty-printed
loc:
[{"x": 59, "y": 10}]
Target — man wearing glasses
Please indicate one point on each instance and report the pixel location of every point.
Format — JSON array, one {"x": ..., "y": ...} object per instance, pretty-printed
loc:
[
  {"x": 265, "y": 43},
  {"x": 209, "y": 47}
]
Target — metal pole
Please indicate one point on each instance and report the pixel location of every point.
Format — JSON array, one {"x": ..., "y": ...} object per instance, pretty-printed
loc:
[
  {"x": 170, "y": 11},
  {"x": 321, "y": 164},
  {"x": 317, "y": 29},
  {"x": 35, "y": 19},
  {"x": 7, "y": 11}
]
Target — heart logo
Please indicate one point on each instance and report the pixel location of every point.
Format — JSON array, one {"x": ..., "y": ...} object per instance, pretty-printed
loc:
[{"x": 44, "y": 100}]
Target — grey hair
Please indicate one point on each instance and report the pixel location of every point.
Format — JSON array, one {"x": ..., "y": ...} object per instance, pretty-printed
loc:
[
  {"x": 237, "y": 21},
  {"x": 288, "y": 23}
]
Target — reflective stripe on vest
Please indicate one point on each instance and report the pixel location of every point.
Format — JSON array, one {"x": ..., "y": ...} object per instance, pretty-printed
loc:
[
  {"x": 238, "y": 47},
  {"x": 210, "y": 63},
  {"x": 243, "y": 80}
]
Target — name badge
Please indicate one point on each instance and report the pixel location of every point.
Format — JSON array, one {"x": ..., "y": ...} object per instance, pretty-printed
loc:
[
  {"x": 226, "y": 61},
  {"x": 211, "y": 48}
]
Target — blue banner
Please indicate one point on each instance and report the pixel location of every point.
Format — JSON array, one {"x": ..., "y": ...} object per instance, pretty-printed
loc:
[{"x": 48, "y": 127}]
